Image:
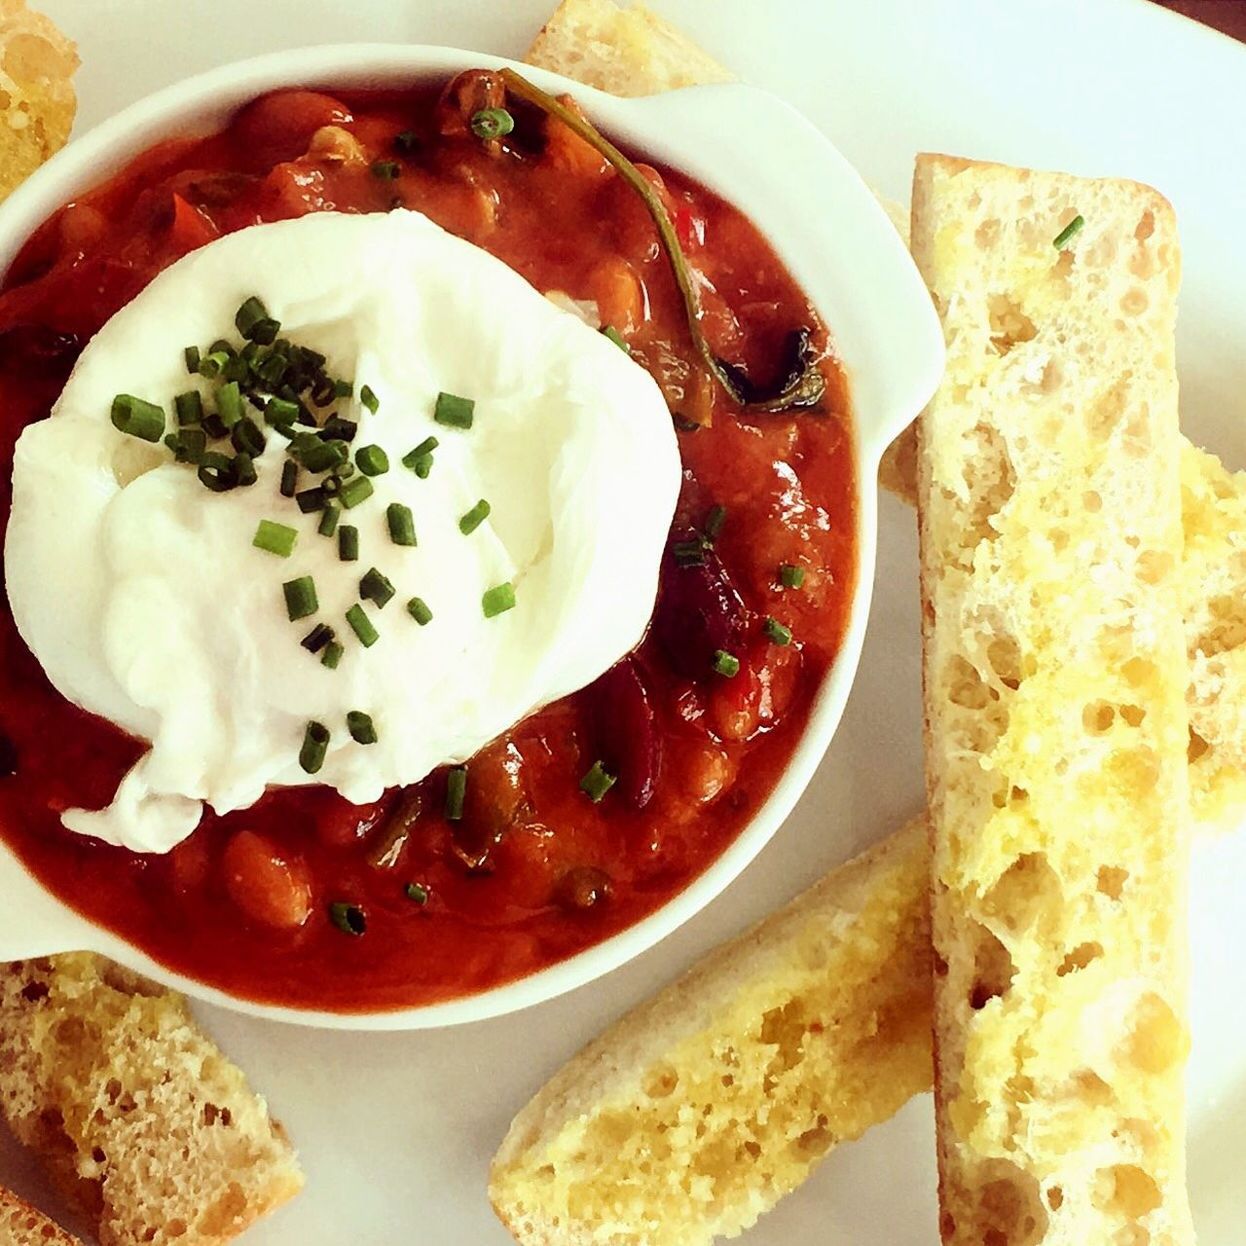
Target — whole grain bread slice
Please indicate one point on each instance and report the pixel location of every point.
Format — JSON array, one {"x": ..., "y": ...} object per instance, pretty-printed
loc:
[
  {"x": 701, "y": 1108},
  {"x": 135, "y": 1113},
  {"x": 1055, "y": 672},
  {"x": 23, "y": 1225}
]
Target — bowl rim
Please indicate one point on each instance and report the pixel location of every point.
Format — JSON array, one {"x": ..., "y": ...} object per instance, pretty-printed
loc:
[{"x": 664, "y": 126}]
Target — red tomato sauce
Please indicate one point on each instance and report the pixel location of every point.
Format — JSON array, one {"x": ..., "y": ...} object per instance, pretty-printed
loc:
[{"x": 534, "y": 871}]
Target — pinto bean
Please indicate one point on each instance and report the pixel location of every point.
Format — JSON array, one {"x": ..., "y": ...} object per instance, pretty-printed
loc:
[{"x": 269, "y": 885}]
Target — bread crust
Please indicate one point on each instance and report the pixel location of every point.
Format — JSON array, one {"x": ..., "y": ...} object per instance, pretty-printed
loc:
[
  {"x": 23, "y": 1225},
  {"x": 1054, "y": 676}
]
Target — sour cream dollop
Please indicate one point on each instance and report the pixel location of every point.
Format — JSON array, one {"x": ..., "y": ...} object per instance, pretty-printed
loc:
[{"x": 141, "y": 593}]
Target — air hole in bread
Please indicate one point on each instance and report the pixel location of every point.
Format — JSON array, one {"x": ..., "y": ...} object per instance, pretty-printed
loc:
[
  {"x": 1111, "y": 880},
  {"x": 1146, "y": 226},
  {"x": 1098, "y": 717},
  {"x": 1140, "y": 673},
  {"x": 1004, "y": 656},
  {"x": 1155, "y": 566},
  {"x": 1135, "y": 769},
  {"x": 1009, "y": 325},
  {"x": 1010, "y": 1208},
  {"x": 1104, "y": 413},
  {"x": 175, "y": 1228},
  {"x": 1092, "y": 501},
  {"x": 1228, "y": 626},
  {"x": 660, "y": 1082},
  {"x": 1127, "y": 1191},
  {"x": 1055, "y": 1198},
  {"x": 1156, "y": 1040},
  {"x": 1133, "y": 715},
  {"x": 784, "y": 1028},
  {"x": 1197, "y": 746},
  {"x": 965, "y": 685},
  {"x": 987, "y": 234},
  {"x": 1026, "y": 888},
  {"x": 993, "y": 968},
  {"x": 1134, "y": 302},
  {"x": 1081, "y": 956}
]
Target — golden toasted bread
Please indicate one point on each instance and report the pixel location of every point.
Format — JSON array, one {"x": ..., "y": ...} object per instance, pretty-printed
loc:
[
  {"x": 22, "y": 1225},
  {"x": 1049, "y": 511},
  {"x": 134, "y": 1112}
]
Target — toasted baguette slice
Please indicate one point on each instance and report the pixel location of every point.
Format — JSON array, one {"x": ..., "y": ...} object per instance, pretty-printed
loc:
[
  {"x": 22, "y": 1225},
  {"x": 1055, "y": 673},
  {"x": 37, "y": 101},
  {"x": 626, "y": 51},
  {"x": 135, "y": 1113},
  {"x": 700, "y": 1109}
]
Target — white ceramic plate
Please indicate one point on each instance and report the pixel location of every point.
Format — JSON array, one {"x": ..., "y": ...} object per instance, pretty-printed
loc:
[{"x": 396, "y": 1130}]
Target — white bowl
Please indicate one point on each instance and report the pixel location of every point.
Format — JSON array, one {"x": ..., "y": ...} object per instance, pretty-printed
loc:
[{"x": 758, "y": 153}]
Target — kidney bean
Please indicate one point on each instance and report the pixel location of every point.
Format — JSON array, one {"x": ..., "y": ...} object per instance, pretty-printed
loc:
[
  {"x": 699, "y": 610},
  {"x": 626, "y": 730},
  {"x": 269, "y": 885},
  {"x": 583, "y": 888}
]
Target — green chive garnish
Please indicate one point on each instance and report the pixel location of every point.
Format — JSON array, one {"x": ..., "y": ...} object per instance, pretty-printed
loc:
[
  {"x": 726, "y": 664},
  {"x": 453, "y": 410},
  {"x": 492, "y": 123},
  {"x": 137, "y": 417},
  {"x": 300, "y": 597},
  {"x": 777, "y": 632},
  {"x": 456, "y": 792},
  {"x": 386, "y": 170},
  {"x": 189, "y": 407},
  {"x": 372, "y": 460},
  {"x": 360, "y": 727},
  {"x": 617, "y": 338},
  {"x": 323, "y": 456},
  {"x": 343, "y": 388},
  {"x": 289, "y": 478},
  {"x": 791, "y": 576},
  {"x": 216, "y": 472},
  {"x": 376, "y": 588},
  {"x": 312, "y": 500},
  {"x": 688, "y": 553},
  {"x": 279, "y": 411},
  {"x": 355, "y": 490},
  {"x": 319, "y": 636},
  {"x": 418, "y": 609},
  {"x": 714, "y": 522},
  {"x": 332, "y": 655},
  {"x": 229, "y": 404},
  {"x": 211, "y": 364},
  {"x": 406, "y": 142},
  {"x": 244, "y": 470},
  {"x": 1069, "y": 232},
  {"x": 417, "y": 892},
  {"x": 597, "y": 782},
  {"x": 498, "y": 600},
  {"x": 424, "y": 450},
  {"x": 339, "y": 428},
  {"x": 423, "y": 465},
  {"x": 192, "y": 357},
  {"x": 328, "y": 519},
  {"x": 255, "y": 324},
  {"x": 315, "y": 746},
  {"x": 348, "y": 543},
  {"x": 247, "y": 437},
  {"x": 188, "y": 445},
  {"x": 401, "y": 524},
  {"x": 361, "y": 625},
  {"x": 348, "y": 918},
  {"x": 475, "y": 517},
  {"x": 276, "y": 538},
  {"x": 369, "y": 399}
]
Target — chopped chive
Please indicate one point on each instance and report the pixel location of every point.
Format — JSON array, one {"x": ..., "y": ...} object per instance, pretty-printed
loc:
[
  {"x": 791, "y": 576},
  {"x": 726, "y": 664},
  {"x": 425, "y": 448},
  {"x": 418, "y": 609},
  {"x": 714, "y": 522},
  {"x": 300, "y": 597},
  {"x": 189, "y": 407},
  {"x": 777, "y": 632},
  {"x": 350, "y": 919},
  {"x": 332, "y": 655},
  {"x": 211, "y": 364},
  {"x": 339, "y": 428},
  {"x": 323, "y": 456},
  {"x": 453, "y": 410},
  {"x": 229, "y": 404},
  {"x": 138, "y": 417},
  {"x": 492, "y": 123},
  {"x": 193, "y": 359},
  {"x": 255, "y": 324},
  {"x": 369, "y": 399},
  {"x": 386, "y": 170},
  {"x": 244, "y": 469},
  {"x": 188, "y": 445},
  {"x": 422, "y": 466},
  {"x": 1069, "y": 232},
  {"x": 289, "y": 478},
  {"x": 247, "y": 437},
  {"x": 417, "y": 892},
  {"x": 315, "y": 746},
  {"x": 216, "y": 472},
  {"x": 617, "y": 338},
  {"x": 406, "y": 141},
  {"x": 361, "y": 625},
  {"x": 597, "y": 782},
  {"x": 361, "y": 727},
  {"x": 319, "y": 636},
  {"x": 271, "y": 370},
  {"x": 355, "y": 490},
  {"x": 401, "y": 524},
  {"x": 275, "y": 538},
  {"x": 376, "y": 588},
  {"x": 343, "y": 388},
  {"x": 688, "y": 553},
  {"x": 685, "y": 425},
  {"x": 312, "y": 500},
  {"x": 456, "y": 792},
  {"x": 475, "y": 517},
  {"x": 329, "y": 518},
  {"x": 497, "y": 600},
  {"x": 280, "y": 411},
  {"x": 348, "y": 543},
  {"x": 372, "y": 460}
]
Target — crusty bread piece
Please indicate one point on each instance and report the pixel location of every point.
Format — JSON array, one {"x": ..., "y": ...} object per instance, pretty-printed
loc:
[
  {"x": 626, "y": 51},
  {"x": 22, "y": 1225},
  {"x": 134, "y": 1112},
  {"x": 701, "y": 1108},
  {"x": 1049, "y": 513},
  {"x": 37, "y": 101}
]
